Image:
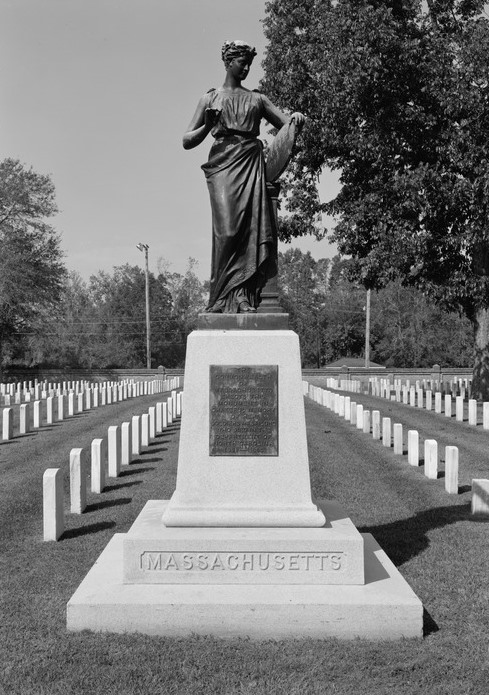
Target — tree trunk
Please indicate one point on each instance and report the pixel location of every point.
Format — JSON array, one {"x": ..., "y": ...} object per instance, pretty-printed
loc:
[{"x": 480, "y": 380}]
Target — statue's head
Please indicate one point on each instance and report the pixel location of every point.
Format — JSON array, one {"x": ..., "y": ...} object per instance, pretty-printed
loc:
[{"x": 237, "y": 49}]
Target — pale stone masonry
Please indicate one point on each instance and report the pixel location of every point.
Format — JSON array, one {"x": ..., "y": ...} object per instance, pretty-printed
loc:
[{"x": 52, "y": 504}]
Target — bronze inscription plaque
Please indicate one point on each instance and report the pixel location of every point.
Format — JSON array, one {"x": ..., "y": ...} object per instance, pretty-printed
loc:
[{"x": 243, "y": 410}]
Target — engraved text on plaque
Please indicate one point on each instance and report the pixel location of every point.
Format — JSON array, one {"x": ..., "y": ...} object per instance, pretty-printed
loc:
[{"x": 243, "y": 410}]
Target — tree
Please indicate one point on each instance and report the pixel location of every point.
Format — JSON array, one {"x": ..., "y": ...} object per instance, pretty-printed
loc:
[
  {"x": 31, "y": 266},
  {"x": 397, "y": 99},
  {"x": 302, "y": 281}
]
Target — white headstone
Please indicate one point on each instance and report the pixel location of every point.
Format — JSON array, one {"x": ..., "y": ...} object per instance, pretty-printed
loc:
[
  {"x": 78, "y": 480},
  {"x": 413, "y": 447},
  {"x": 24, "y": 418},
  {"x": 438, "y": 402},
  {"x": 448, "y": 405},
  {"x": 398, "y": 439},
  {"x": 136, "y": 434},
  {"x": 366, "y": 421},
  {"x": 145, "y": 429},
  {"x": 359, "y": 416},
  {"x": 152, "y": 422},
  {"x": 99, "y": 464},
  {"x": 459, "y": 408},
  {"x": 480, "y": 496},
  {"x": 451, "y": 469},
  {"x": 126, "y": 443},
  {"x": 431, "y": 458},
  {"x": 7, "y": 424},
  {"x": 376, "y": 424},
  {"x": 52, "y": 504},
  {"x": 37, "y": 414},
  {"x": 472, "y": 412},
  {"x": 386, "y": 432},
  {"x": 114, "y": 451}
]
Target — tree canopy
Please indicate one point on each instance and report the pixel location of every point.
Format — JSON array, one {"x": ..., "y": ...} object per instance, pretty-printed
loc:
[
  {"x": 32, "y": 270},
  {"x": 396, "y": 93}
]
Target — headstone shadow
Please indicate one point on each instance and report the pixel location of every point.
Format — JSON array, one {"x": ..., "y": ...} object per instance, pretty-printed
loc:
[
  {"x": 110, "y": 488},
  {"x": 107, "y": 503},
  {"x": 86, "y": 530},
  {"x": 136, "y": 471}
]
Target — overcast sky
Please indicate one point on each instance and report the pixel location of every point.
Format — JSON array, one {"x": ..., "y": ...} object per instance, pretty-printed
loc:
[{"x": 97, "y": 93}]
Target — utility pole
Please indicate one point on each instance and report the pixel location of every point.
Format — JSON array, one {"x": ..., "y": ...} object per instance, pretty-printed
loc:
[
  {"x": 145, "y": 248},
  {"x": 367, "y": 331}
]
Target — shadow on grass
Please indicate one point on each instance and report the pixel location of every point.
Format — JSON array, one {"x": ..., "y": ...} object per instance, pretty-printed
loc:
[
  {"x": 406, "y": 538},
  {"x": 88, "y": 529},
  {"x": 157, "y": 451},
  {"x": 135, "y": 471},
  {"x": 130, "y": 483},
  {"x": 107, "y": 503}
]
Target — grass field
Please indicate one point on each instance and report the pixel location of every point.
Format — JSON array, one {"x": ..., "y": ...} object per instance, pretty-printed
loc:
[{"x": 439, "y": 548}]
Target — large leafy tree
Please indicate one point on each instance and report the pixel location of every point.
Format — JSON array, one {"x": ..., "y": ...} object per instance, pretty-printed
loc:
[
  {"x": 396, "y": 92},
  {"x": 31, "y": 260}
]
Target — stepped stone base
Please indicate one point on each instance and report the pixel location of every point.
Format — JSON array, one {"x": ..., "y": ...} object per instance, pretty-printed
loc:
[
  {"x": 383, "y": 607},
  {"x": 157, "y": 554}
]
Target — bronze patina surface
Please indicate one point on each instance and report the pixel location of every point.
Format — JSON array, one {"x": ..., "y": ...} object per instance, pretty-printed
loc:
[{"x": 243, "y": 410}]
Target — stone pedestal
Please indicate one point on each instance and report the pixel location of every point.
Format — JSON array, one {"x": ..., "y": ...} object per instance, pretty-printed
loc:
[
  {"x": 243, "y": 451},
  {"x": 241, "y": 549}
]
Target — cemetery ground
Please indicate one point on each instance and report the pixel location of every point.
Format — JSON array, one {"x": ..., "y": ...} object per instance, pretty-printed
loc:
[{"x": 440, "y": 549}]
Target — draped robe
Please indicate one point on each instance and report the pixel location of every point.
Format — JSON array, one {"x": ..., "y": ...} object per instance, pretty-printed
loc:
[{"x": 242, "y": 220}]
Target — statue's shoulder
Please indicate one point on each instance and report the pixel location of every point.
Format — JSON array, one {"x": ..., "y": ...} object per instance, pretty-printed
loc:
[{"x": 212, "y": 89}]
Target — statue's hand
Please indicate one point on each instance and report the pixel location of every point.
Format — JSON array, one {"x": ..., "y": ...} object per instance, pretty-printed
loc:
[
  {"x": 211, "y": 117},
  {"x": 299, "y": 119}
]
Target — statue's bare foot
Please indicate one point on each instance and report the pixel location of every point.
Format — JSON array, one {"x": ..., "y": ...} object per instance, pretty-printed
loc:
[{"x": 246, "y": 308}]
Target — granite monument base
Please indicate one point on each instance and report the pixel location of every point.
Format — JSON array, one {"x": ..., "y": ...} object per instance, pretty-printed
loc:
[{"x": 384, "y": 607}]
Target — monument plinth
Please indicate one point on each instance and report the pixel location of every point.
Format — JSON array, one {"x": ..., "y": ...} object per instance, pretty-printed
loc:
[{"x": 243, "y": 452}]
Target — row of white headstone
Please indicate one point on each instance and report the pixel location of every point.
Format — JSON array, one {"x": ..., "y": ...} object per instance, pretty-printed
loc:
[
  {"x": 381, "y": 429},
  {"x": 386, "y": 388},
  {"x": 109, "y": 391},
  {"x": 108, "y": 456},
  {"x": 390, "y": 435},
  {"x": 417, "y": 396},
  {"x": 59, "y": 407}
]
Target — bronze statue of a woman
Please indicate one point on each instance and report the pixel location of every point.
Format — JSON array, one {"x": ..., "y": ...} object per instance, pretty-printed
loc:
[{"x": 242, "y": 221}]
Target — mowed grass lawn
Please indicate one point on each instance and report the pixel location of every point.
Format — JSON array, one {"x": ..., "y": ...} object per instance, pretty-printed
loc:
[{"x": 439, "y": 548}]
